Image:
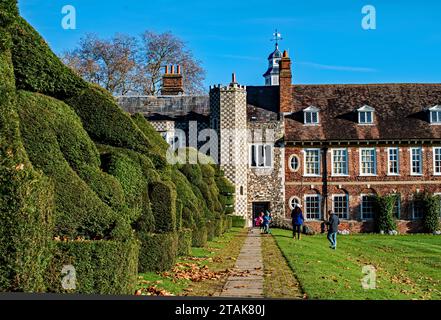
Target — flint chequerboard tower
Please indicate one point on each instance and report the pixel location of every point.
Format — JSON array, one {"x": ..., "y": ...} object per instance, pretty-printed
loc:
[{"x": 228, "y": 105}]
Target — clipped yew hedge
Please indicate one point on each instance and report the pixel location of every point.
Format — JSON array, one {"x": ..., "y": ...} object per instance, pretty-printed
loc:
[
  {"x": 184, "y": 242},
  {"x": 101, "y": 267},
  {"x": 163, "y": 200},
  {"x": 158, "y": 251}
]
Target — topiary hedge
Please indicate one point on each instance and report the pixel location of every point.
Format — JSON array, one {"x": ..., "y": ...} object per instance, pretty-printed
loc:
[
  {"x": 158, "y": 251},
  {"x": 163, "y": 200},
  {"x": 431, "y": 208},
  {"x": 184, "y": 242},
  {"x": 384, "y": 213},
  {"x": 78, "y": 209},
  {"x": 101, "y": 267},
  {"x": 199, "y": 237},
  {"x": 218, "y": 227},
  {"x": 237, "y": 221}
]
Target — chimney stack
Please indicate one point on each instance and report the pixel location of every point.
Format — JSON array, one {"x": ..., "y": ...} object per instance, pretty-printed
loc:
[
  {"x": 285, "y": 84},
  {"x": 172, "y": 83}
]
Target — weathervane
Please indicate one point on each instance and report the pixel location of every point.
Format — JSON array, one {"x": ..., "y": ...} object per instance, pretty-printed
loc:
[{"x": 277, "y": 36}]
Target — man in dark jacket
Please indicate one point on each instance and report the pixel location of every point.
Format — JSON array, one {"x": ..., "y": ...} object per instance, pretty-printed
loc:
[{"x": 333, "y": 223}]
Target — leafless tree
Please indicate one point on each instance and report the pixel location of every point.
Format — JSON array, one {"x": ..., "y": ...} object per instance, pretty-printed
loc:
[{"x": 126, "y": 65}]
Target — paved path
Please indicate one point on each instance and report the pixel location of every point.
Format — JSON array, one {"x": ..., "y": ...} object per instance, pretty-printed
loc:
[{"x": 248, "y": 282}]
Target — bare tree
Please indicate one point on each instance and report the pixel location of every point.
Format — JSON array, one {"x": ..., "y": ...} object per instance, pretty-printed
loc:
[{"x": 125, "y": 65}]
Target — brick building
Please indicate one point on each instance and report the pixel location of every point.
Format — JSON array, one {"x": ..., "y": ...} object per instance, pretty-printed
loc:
[{"x": 327, "y": 147}]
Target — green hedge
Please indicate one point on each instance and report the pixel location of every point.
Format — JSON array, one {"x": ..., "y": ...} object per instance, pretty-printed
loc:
[
  {"x": 431, "y": 207},
  {"x": 237, "y": 221},
  {"x": 184, "y": 242},
  {"x": 211, "y": 229},
  {"x": 101, "y": 267},
  {"x": 158, "y": 251},
  {"x": 78, "y": 209},
  {"x": 37, "y": 68},
  {"x": 163, "y": 200},
  {"x": 159, "y": 145},
  {"x": 199, "y": 237},
  {"x": 218, "y": 227},
  {"x": 384, "y": 218}
]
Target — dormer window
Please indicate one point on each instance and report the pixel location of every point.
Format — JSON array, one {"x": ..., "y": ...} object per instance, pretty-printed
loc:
[
  {"x": 311, "y": 115},
  {"x": 435, "y": 114},
  {"x": 366, "y": 115}
]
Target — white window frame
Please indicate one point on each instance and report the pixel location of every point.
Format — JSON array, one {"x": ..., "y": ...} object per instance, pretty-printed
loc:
[
  {"x": 305, "y": 197},
  {"x": 412, "y": 173},
  {"x": 290, "y": 162},
  {"x": 346, "y": 214},
  {"x": 264, "y": 145},
  {"x": 310, "y": 110},
  {"x": 361, "y": 206},
  {"x": 434, "y": 150},
  {"x": 435, "y": 110},
  {"x": 346, "y": 163},
  {"x": 291, "y": 200},
  {"x": 305, "y": 167},
  {"x": 389, "y": 173},
  {"x": 365, "y": 110},
  {"x": 360, "y": 151}
]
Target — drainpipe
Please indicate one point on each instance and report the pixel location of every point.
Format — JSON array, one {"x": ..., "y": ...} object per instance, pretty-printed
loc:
[{"x": 325, "y": 183}]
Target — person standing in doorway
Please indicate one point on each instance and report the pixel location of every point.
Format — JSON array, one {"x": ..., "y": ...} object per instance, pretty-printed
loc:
[
  {"x": 266, "y": 222},
  {"x": 333, "y": 223},
  {"x": 297, "y": 221}
]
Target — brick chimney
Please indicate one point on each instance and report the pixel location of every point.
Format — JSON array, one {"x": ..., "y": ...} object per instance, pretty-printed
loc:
[
  {"x": 172, "y": 81},
  {"x": 285, "y": 84}
]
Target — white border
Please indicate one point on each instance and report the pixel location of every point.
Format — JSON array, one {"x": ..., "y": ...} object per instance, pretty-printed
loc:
[
  {"x": 332, "y": 163},
  {"x": 298, "y": 161},
  {"x": 388, "y": 161},
  {"x": 264, "y": 155},
  {"x": 375, "y": 163},
  {"x": 290, "y": 201},
  {"x": 433, "y": 156},
  {"x": 418, "y": 174},
  {"x": 319, "y": 162}
]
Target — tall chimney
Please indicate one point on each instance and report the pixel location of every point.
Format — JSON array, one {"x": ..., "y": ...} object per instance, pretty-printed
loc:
[
  {"x": 285, "y": 84},
  {"x": 172, "y": 83}
]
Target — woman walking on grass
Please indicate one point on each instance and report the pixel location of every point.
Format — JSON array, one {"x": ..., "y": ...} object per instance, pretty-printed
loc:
[{"x": 297, "y": 221}]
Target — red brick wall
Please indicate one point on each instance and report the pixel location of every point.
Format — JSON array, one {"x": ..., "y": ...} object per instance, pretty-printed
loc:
[
  {"x": 285, "y": 84},
  {"x": 172, "y": 84},
  {"x": 354, "y": 185}
]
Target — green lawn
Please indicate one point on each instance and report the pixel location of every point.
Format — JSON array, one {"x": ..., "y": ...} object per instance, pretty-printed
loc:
[{"x": 407, "y": 266}]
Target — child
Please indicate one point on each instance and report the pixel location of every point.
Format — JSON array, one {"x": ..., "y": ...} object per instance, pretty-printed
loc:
[{"x": 266, "y": 222}]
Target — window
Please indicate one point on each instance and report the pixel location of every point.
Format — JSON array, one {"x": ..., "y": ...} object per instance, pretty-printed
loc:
[
  {"x": 293, "y": 201},
  {"x": 437, "y": 161},
  {"x": 340, "y": 162},
  {"x": 393, "y": 161},
  {"x": 366, "y": 115},
  {"x": 340, "y": 205},
  {"x": 397, "y": 206},
  {"x": 261, "y": 156},
  {"x": 367, "y": 206},
  {"x": 294, "y": 163},
  {"x": 435, "y": 114},
  {"x": 416, "y": 158},
  {"x": 312, "y": 207},
  {"x": 311, "y": 115},
  {"x": 368, "y": 166},
  {"x": 417, "y": 209},
  {"x": 312, "y": 162}
]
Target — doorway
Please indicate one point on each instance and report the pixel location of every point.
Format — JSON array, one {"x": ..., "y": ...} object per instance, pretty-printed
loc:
[{"x": 259, "y": 207}]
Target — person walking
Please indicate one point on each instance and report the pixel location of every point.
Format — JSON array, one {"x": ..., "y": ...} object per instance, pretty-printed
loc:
[
  {"x": 297, "y": 221},
  {"x": 333, "y": 223},
  {"x": 266, "y": 222}
]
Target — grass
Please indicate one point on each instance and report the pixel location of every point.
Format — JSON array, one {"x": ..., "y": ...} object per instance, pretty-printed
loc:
[
  {"x": 407, "y": 266},
  {"x": 219, "y": 254},
  {"x": 279, "y": 281}
]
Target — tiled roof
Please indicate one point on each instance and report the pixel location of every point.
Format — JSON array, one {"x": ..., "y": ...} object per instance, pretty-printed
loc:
[{"x": 399, "y": 112}]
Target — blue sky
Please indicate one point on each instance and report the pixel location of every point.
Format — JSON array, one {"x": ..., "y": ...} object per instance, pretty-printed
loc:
[{"x": 325, "y": 38}]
